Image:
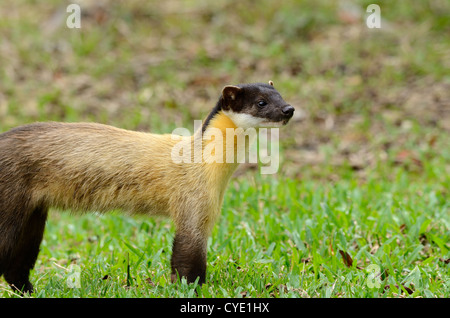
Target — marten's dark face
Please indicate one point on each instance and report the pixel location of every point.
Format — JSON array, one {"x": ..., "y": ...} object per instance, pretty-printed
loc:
[{"x": 255, "y": 105}]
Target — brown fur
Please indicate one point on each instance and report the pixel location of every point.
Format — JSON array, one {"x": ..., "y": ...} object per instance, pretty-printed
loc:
[{"x": 85, "y": 167}]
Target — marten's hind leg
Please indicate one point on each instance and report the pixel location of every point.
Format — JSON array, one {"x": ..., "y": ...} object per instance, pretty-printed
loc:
[{"x": 24, "y": 252}]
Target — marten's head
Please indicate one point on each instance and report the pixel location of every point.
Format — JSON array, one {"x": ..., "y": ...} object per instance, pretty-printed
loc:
[{"x": 255, "y": 105}]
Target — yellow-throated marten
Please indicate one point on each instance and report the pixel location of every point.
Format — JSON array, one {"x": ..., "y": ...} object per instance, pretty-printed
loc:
[{"x": 94, "y": 167}]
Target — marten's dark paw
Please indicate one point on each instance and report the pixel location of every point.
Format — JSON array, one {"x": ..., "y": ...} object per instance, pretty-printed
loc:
[{"x": 26, "y": 288}]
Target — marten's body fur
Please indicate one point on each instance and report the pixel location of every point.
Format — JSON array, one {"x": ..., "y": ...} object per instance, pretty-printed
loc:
[{"x": 94, "y": 167}]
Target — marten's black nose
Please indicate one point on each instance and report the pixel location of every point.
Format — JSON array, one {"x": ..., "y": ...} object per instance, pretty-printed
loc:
[{"x": 288, "y": 110}]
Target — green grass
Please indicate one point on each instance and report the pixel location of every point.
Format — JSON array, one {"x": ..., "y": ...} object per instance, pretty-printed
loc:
[
  {"x": 276, "y": 238},
  {"x": 364, "y": 178}
]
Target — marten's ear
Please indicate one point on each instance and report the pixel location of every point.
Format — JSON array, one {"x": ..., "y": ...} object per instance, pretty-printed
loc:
[
  {"x": 270, "y": 83},
  {"x": 230, "y": 92}
]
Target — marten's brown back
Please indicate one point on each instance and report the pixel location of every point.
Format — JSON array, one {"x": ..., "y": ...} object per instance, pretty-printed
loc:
[{"x": 86, "y": 166}]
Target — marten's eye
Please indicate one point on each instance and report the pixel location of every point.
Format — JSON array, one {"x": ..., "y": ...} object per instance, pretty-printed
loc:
[{"x": 262, "y": 103}]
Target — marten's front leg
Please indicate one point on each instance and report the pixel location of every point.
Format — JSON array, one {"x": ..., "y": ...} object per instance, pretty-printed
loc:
[{"x": 189, "y": 256}]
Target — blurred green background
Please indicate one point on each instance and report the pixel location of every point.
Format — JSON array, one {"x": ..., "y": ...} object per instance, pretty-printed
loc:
[{"x": 366, "y": 99}]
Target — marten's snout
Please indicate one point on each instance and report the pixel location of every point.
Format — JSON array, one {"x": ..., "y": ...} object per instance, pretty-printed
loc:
[{"x": 288, "y": 110}]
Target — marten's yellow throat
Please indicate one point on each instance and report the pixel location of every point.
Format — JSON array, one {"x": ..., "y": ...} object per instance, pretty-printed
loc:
[{"x": 94, "y": 167}]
